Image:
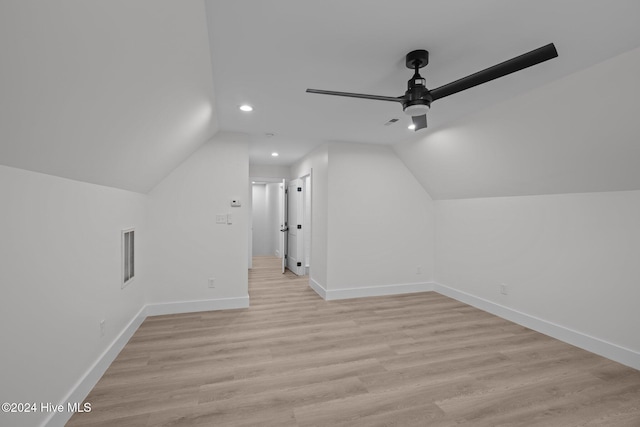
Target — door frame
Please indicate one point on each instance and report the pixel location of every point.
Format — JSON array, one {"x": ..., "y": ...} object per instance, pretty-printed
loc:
[
  {"x": 259, "y": 180},
  {"x": 284, "y": 227}
]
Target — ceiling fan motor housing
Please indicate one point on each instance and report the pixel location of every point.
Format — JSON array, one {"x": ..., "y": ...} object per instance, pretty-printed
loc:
[{"x": 417, "y": 99}]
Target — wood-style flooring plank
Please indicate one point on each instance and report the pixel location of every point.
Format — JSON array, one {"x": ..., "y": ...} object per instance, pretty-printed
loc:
[{"x": 292, "y": 359}]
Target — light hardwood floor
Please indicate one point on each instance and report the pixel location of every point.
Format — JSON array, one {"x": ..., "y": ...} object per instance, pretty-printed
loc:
[{"x": 292, "y": 359}]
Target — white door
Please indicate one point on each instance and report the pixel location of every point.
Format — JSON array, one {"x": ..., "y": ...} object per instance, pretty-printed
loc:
[
  {"x": 283, "y": 223},
  {"x": 295, "y": 244}
]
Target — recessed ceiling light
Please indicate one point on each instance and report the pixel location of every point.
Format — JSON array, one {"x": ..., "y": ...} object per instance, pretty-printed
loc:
[
  {"x": 246, "y": 108},
  {"x": 412, "y": 126},
  {"x": 274, "y": 154}
]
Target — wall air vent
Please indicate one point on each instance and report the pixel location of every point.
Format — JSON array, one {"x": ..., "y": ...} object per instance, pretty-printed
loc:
[{"x": 128, "y": 256}]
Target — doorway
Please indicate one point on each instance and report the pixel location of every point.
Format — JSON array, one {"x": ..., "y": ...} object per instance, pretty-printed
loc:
[
  {"x": 281, "y": 221},
  {"x": 267, "y": 198}
]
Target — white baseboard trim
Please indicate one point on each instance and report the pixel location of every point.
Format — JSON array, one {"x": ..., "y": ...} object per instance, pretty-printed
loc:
[
  {"x": 377, "y": 291},
  {"x": 370, "y": 291},
  {"x": 85, "y": 384},
  {"x": 318, "y": 288},
  {"x": 91, "y": 377},
  {"x": 595, "y": 345},
  {"x": 159, "y": 309}
]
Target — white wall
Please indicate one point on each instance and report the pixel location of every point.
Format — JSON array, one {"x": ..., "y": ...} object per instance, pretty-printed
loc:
[
  {"x": 60, "y": 275},
  {"x": 269, "y": 171},
  {"x": 316, "y": 164},
  {"x": 188, "y": 247},
  {"x": 381, "y": 227},
  {"x": 567, "y": 259},
  {"x": 372, "y": 224}
]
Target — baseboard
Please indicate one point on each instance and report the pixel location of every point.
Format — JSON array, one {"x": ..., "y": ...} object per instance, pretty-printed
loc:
[
  {"x": 370, "y": 291},
  {"x": 318, "y": 288},
  {"x": 82, "y": 388},
  {"x": 91, "y": 377},
  {"x": 595, "y": 345},
  {"x": 195, "y": 306},
  {"x": 376, "y": 291}
]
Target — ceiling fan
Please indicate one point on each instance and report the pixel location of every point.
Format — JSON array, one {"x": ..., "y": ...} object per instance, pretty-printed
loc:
[{"x": 417, "y": 100}]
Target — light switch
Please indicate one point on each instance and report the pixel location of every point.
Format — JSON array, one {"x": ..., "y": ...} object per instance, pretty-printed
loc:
[
  {"x": 221, "y": 219},
  {"x": 229, "y": 219}
]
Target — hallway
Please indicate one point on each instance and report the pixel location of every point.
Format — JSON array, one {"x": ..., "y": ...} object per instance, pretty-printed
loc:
[{"x": 268, "y": 287}]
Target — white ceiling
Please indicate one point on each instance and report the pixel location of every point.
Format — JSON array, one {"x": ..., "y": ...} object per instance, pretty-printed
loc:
[
  {"x": 114, "y": 92},
  {"x": 267, "y": 53},
  {"x": 119, "y": 93}
]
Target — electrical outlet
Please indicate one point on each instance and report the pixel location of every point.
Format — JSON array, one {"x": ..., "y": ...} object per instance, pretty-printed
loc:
[
  {"x": 212, "y": 282},
  {"x": 102, "y": 327},
  {"x": 221, "y": 219},
  {"x": 418, "y": 270},
  {"x": 504, "y": 290}
]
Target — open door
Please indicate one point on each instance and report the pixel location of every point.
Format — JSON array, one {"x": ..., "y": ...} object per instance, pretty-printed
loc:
[
  {"x": 283, "y": 224},
  {"x": 294, "y": 220}
]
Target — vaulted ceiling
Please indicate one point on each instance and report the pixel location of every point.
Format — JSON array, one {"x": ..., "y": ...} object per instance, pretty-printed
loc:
[
  {"x": 119, "y": 93},
  {"x": 112, "y": 92},
  {"x": 268, "y": 53}
]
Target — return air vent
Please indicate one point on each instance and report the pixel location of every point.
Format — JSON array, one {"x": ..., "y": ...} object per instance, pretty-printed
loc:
[{"x": 128, "y": 256}]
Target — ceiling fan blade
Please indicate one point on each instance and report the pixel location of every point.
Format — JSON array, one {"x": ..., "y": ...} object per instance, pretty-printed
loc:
[
  {"x": 420, "y": 122},
  {"x": 356, "y": 95},
  {"x": 512, "y": 65}
]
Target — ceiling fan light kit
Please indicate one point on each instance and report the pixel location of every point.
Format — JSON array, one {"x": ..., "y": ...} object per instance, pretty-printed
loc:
[{"x": 417, "y": 100}]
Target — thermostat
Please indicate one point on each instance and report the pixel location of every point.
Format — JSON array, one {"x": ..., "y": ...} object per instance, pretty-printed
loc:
[{"x": 235, "y": 203}]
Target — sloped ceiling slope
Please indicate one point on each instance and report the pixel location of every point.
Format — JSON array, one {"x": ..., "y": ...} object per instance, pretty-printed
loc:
[
  {"x": 115, "y": 92},
  {"x": 578, "y": 134},
  {"x": 268, "y": 52}
]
